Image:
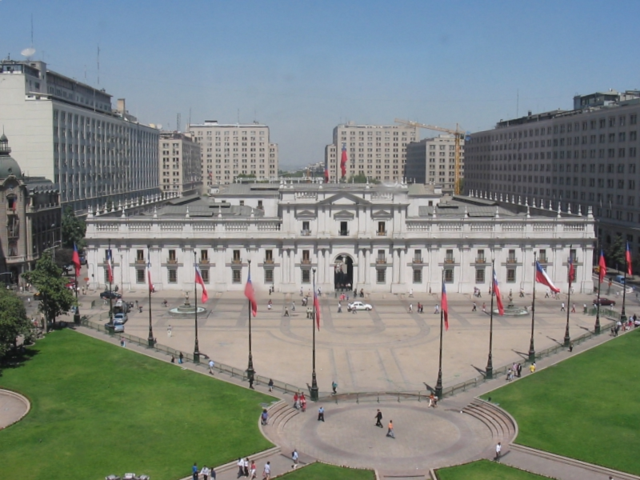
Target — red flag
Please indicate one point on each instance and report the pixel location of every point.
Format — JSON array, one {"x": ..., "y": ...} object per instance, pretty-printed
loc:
[
  {"x": 496, "y": 290},
  {"x": 75, "y": 259},
  {"x": 628, "y": 258},
  {"x": 343, "y": 161},
  {"x": 543, "y": 278},
  {"x": 326, "y": 175},
  {"x": 316, "y": 305},
  {"x": 251, "y": 296},
  {"x": 572, "y": 270},
  {"x": 151, "y": 289},
  {"x": 603, "y": 267},
  {"x": 445, "y": 307},
  {"x": 199, "y": 280},
  {"x": 109, "y": 267}
]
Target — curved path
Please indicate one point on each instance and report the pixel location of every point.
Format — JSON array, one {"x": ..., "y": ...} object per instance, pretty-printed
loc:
[{"x": 13, "y": 407}]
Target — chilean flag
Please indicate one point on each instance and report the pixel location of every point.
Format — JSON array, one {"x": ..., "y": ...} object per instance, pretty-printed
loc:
[
  {"x": 199, "y": 280},
  {"x": 316, "y": 305},
  {"x": 109, "y": 267},
  {"x": 151, "y": 289},
  {"x": 496, "y": 290},
  {"x": 343, "y": 160},
  {"x": 251, "y": 296},
  {"x": 572, "y": 270},
  {"x": 326, "y": 175},
  {"x": 628, "y": 258},
  {"x": 445, "y": 307},
  {"x": 543, "y": 278},
  {"x": 76, "y": 259},
  {"x": 603, "y": 267}
]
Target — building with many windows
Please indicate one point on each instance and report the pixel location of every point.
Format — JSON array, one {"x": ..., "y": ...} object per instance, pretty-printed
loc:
[
  {"x": 433, "y": 161},
  {"x": 380, "y": 238},
  {"x": 375, "y": 151},
  {"x": 180, "y": 169},
  {"x": 31, "y": 214},
  {"x": 231, "y": 150},
  {"x": 66, "y": 131},
  {"x": 580, "y": 158}
]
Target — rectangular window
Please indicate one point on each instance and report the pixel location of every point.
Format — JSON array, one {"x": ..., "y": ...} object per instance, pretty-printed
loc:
[
  {"x": 306, "y": 275},
  {"x": 236, "y": 256},
  {"x": 205, "y": 275},
  {"x": 237, "y": 275},
  {"x": 381, "y": 275},
  {"x": 511, "y": 275},
  {"x": 449, "y": 257},
  {"x": 417, "y": 256},
  {"x": 479, "y": 275},
  {"x": 448, "y": 275},
  {"x": 172, "y": 256},
  {"x": 305, "y": 256},
  {"x": 140, "y": 277},
  {"x": 173, "y": 275},
  {"x": 139, "y": 255},
  {"x": 343, "y": 229},
  {"x": 480, "y": 258},
  {"x": 417, "y": 275},
  {"x": 204, "y": 256},
  {"x": 268, "y": 275},
  {"x": 381, "y": 228},
  {"x": 268, "y": 256}
]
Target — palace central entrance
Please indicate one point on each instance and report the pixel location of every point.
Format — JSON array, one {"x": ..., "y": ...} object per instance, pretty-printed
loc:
[{"x": 343, "y": 272}]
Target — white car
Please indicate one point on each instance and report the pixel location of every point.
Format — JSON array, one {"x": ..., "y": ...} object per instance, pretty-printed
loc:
[{"x": 359, "y": 306}]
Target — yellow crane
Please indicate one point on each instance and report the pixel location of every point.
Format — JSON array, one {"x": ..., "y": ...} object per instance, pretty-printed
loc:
[{"x": 458, "y": 134}]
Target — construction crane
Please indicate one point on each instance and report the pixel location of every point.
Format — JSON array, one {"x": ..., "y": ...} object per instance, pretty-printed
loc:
[{"x": 458, "y": 135}]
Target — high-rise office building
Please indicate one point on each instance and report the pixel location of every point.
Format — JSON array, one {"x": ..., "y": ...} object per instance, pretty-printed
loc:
[
  {"x": 180, "y": 169},
  {"x": 433, "y": 161},
  {"x": 231, "y": 150},
  {"x": 375, "y": 151},
  {"x": 569, "y": 159},
  {"x": 66, "y": 131}
]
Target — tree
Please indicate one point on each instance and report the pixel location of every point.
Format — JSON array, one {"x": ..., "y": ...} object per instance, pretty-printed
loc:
[
  {"x": 13, "y": 320},
  {"x": 73, "y": 229},
  {"x": 615, "y": 253},
  {"x": 55, "y": 298}
]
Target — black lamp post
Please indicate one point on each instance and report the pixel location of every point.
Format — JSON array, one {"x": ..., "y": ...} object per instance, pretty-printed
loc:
[
  {"x": 489, "y": 369},
  {"x": 250, "y": 370},
  {"x": 150, "y": 341},
  {"x": 76, "y": 316},
  {"x": 196, "y": 348},
  {"x": 597, "y": 325},
  {"x": 623, "y": 313},
  {"x": 567, "y": 337},
  {"x": 438, "y": 391},
  {"x": 532, "y": 349},
  {"x": 110, "y": 275},
  {"x": 314, "y": 380}
]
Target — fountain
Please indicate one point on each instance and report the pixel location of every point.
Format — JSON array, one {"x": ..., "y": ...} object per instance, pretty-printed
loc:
[
  {"x": 512, "y": 310},
  {"x": 186, "y": 308}
]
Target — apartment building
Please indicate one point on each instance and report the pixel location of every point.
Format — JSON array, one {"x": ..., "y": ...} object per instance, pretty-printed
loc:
[
  {"x": 572, "y": 159},
  {"x": 231, "y": 150},
  {"x": 180, "y": 168},
  {"x": 433, "y": 161},
  {"x": 376, "y": 151},
  {"x": 67, "y": 131}
]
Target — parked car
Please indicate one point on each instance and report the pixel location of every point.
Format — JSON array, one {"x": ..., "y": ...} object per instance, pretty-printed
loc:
[
  {"x": 120, "y": 318},
  {"x": 359, "y": 306},
  {"x": 620, "y": 279},
  {"x": 114, "y": 327},
  {"x": 110, "y": 294},
  {"x": 604, "y": 301}
]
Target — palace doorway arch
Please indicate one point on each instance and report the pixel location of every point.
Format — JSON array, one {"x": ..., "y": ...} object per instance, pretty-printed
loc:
[{"x": 343, "y": 272}]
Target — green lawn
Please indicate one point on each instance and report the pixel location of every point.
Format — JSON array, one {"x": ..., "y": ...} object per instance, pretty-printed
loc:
[
  {"x": 99, "y": 409},
  {"x": 485, "y": 470},
  {"x": 584, "y": 408},
  {"x": 322, "y": 471}
]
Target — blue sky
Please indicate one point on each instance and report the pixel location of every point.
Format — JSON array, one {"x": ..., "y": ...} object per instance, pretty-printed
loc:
[{"x": 303, "y": 67}]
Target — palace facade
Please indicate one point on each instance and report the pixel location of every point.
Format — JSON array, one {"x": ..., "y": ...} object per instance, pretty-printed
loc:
[{"x": 380, "y": 238}]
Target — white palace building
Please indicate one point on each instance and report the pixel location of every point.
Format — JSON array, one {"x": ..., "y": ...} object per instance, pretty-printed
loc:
[{"x": 380, "y": 238}]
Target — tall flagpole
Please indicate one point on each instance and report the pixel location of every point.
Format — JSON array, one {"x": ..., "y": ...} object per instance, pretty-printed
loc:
[
  {"x": 76, "y": 315},
  {"x": 250, "y": 370},
  {"x": 314, "y": 380},
  {"x": 110, "y": 275},
  {"x": 597, "y": 325},
  {"x": 623, "y": 314},
  {"x": 438, "y": 392},
  {"x": 489, "y": 369},
  {"x": 196, "y": 348},
  {"x": 150, "y": 341},
  {"x": 567, "y": 337},
  {"x": 532, "y": 349}
]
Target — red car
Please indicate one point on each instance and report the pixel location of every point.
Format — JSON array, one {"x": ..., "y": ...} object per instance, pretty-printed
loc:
[{"x": 604, "y": 301}]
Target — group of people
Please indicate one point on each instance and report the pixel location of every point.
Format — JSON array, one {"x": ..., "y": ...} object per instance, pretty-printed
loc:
[
  {"x": 247, "y": 468},
  {"x": 419, "y": 308},
  {"x": 205, "y": 472},
  {"x": 378, "y": 418},
  {"x": 300, "y": 401}
]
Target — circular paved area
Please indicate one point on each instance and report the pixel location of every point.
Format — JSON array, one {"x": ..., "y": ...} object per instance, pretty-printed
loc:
[
  {"x": 425, "y": 437},
  {"x": 13, "y": 407}
]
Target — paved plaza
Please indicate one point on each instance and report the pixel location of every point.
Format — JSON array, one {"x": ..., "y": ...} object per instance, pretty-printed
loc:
[{"x": 385, "y": 349}]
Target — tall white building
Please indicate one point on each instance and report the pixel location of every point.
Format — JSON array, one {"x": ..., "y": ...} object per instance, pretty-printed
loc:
[
  {"x": 375, "y": 151},
  {"x": 380, "y": 238},
  {"x": 230, "y": 150},
  {"x": 67, "y": 131},
  {"x": 180, "y": 168},
  {"x": 433, "y": 161}
]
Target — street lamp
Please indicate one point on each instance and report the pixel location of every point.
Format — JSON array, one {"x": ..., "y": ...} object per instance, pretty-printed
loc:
[
  {"x": 196, "y": 348},
  {"x": 250, "y": 370},
  {"x": 532, "y": 349},
  {"x": 314, "y": 380},
  {"x": 567, "y": 336},
  {"x": 150, "y": 340},
  {"x": 438, "y": 391},
  {"x": 489, "y": 369}
]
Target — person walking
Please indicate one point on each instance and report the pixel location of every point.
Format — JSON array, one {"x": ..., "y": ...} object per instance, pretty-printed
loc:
[
  {"x": 294, "y": 456},
  {"x": 498, "y": 451},
  {"x": 532, "y": 367},
  {"x": 286, "y": 312},
  {"x": 181, "y": 358},
  {"x": 334, "y": 387},
  {"x": 264, "y": 417},
  {"x": 573, "y": 308},
  {"x": 437, "y": 309},
  {"x": 169, "y": 331},
  {"x": 562, "y": 307},
  {"x": 321, "y": 414},
  {"x": 204, "y": 472},
  {"x": 378, "y": 418},
  {"x": 475, "y": 307},
  {"x": 245, "y": 466},
  {"x": 194, "y": 471},
  {"x": 339, "y": 307},
  {"x": 484, "y": 308},
  {"x": 271, "y": 385},
  {"x": 266, "y": 473},
  {"x": 240, "y": 466},
  {"x": 519, "y": 370},
  {"x": 410, "y": 307},
  {"x": 252, "y": 470},
  {"x": 211, "y": 365},
  {"x": 390, "y": 431}
]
